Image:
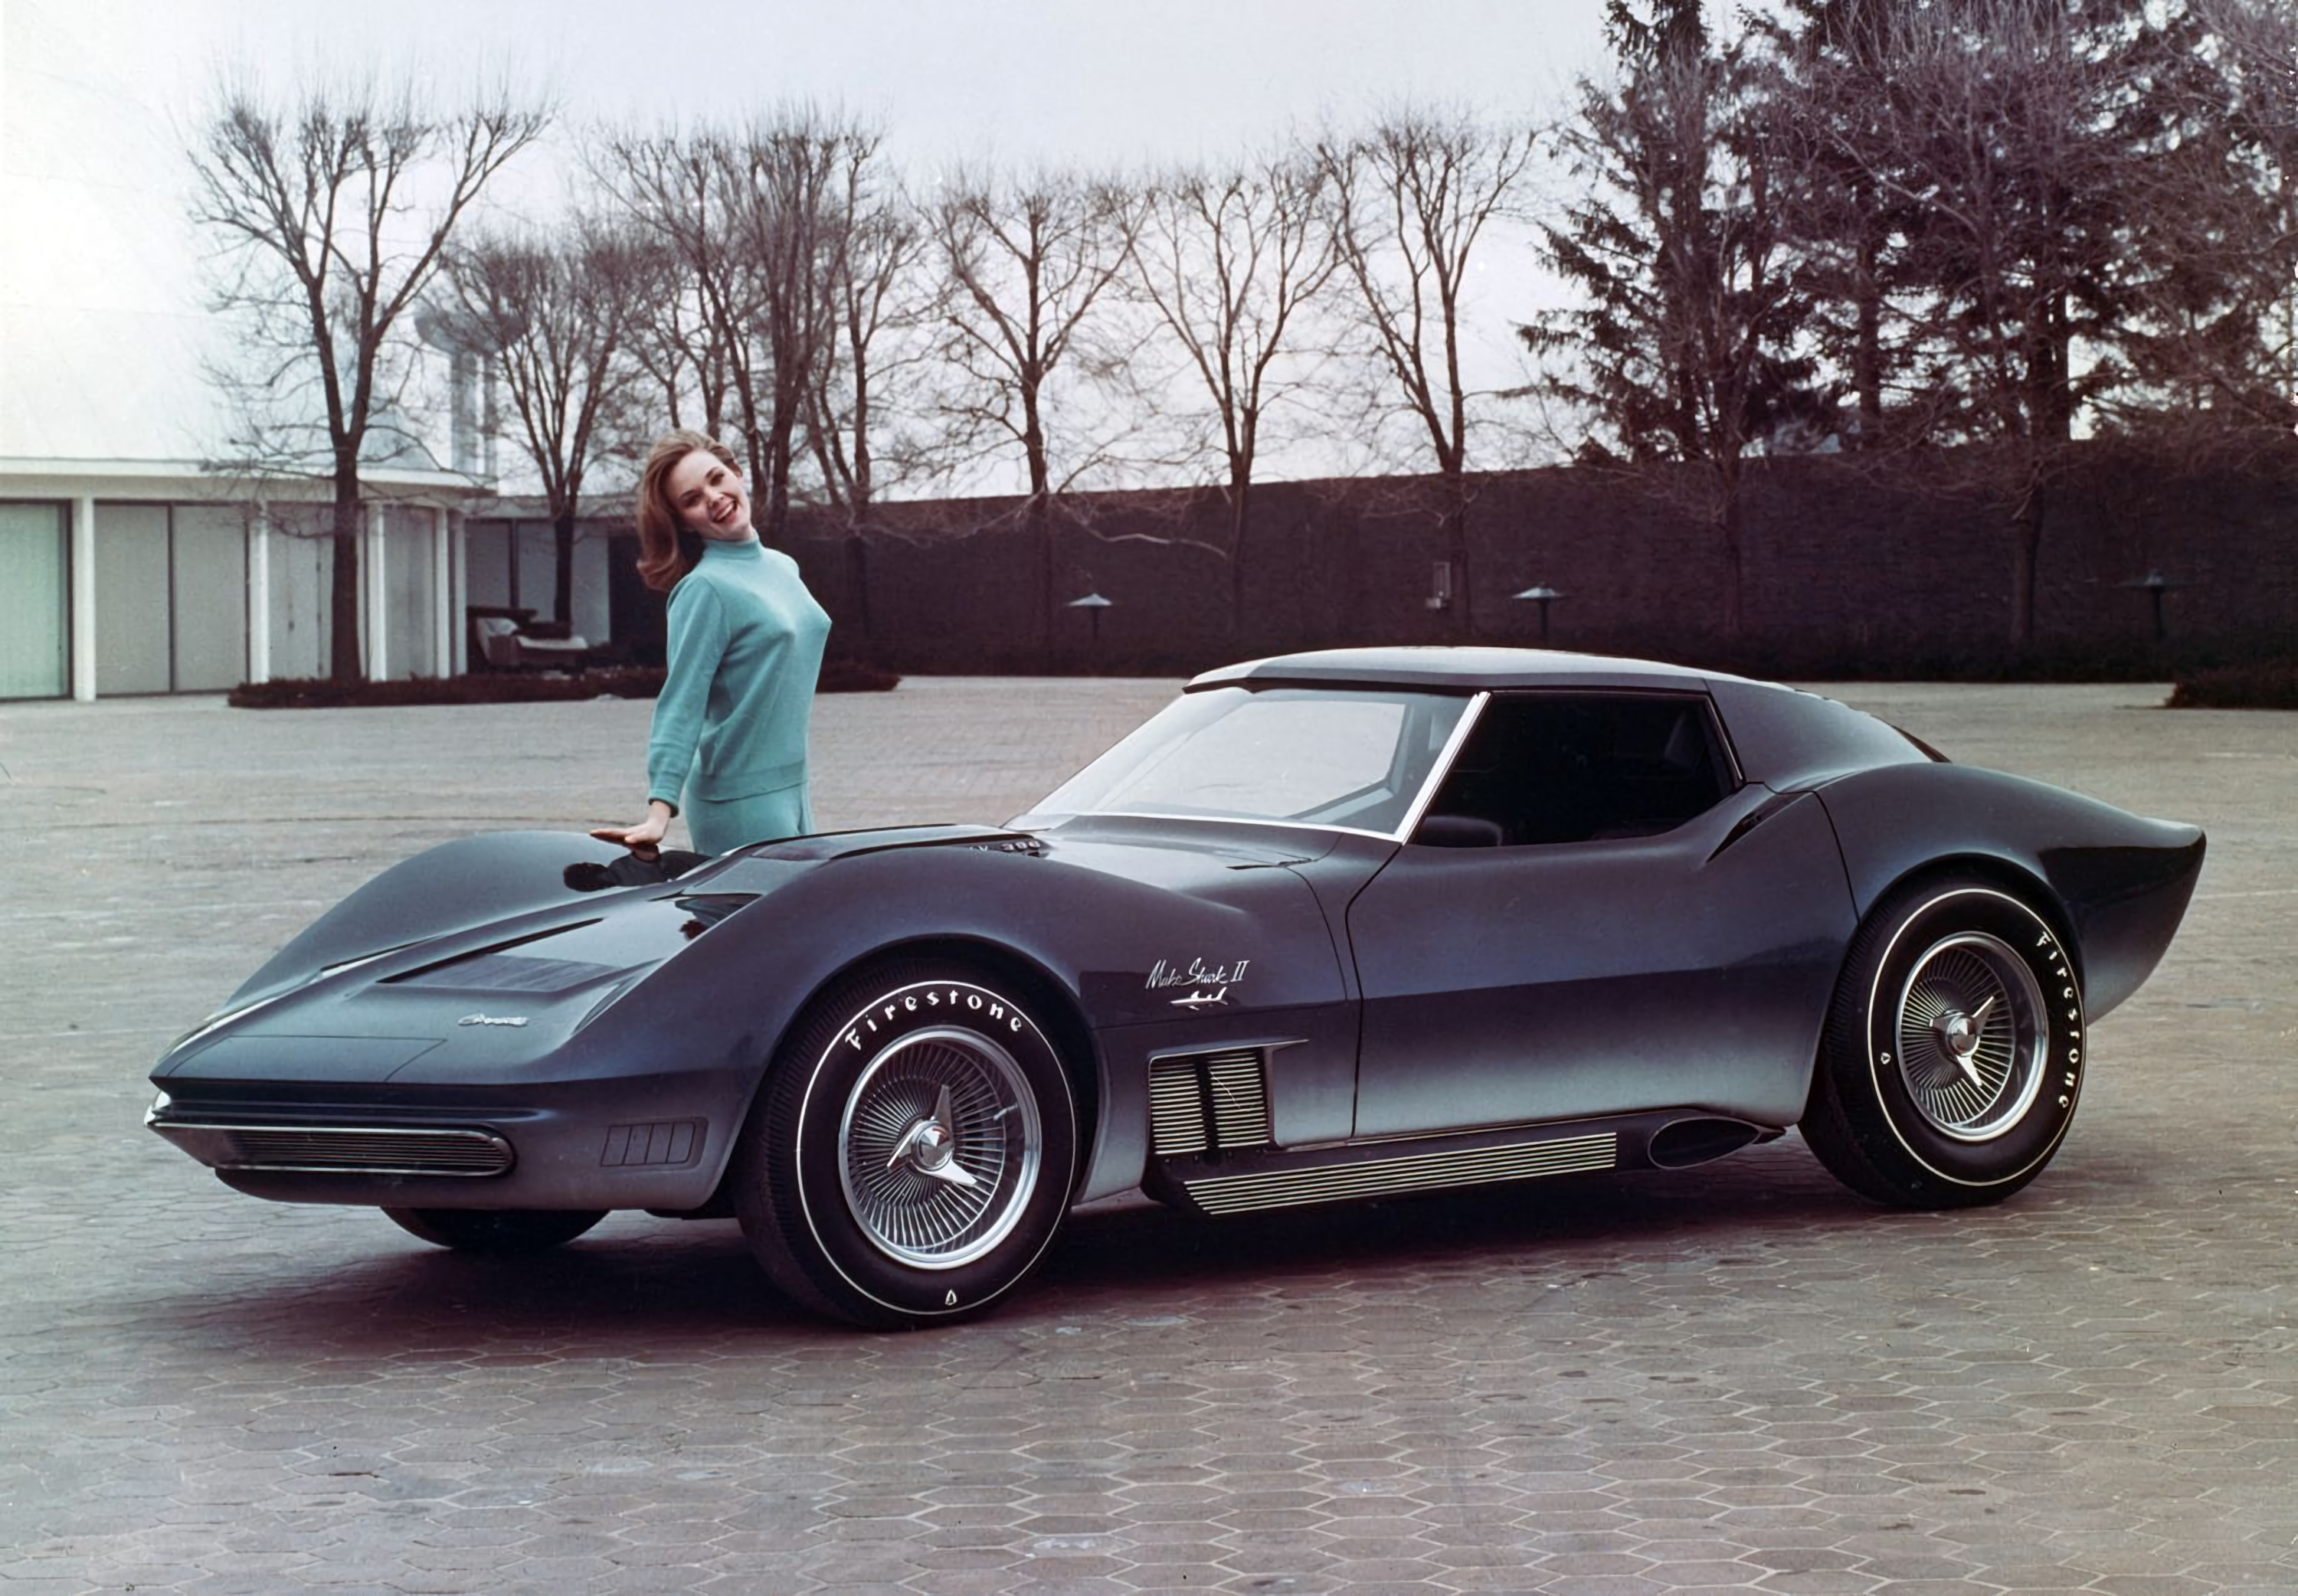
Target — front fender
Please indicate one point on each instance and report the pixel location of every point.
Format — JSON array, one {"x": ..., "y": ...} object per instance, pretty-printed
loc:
[{"x": 1119, "y": 951}]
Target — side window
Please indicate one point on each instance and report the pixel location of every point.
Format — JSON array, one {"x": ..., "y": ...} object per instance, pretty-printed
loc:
[{"x": 1577, "y": 767}]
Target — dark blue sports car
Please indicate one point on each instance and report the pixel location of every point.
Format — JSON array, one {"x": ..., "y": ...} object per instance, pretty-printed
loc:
[{"x": 1331, "y": 926}]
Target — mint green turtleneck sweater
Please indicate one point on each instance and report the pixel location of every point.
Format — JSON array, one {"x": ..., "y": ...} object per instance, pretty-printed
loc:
[{"x": 746, "y": 641}]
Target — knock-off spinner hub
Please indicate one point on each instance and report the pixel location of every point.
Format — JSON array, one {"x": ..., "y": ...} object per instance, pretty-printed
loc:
[
  {"x": 1960, "y": 1033},
  {"x": 930, "y": 1147}
]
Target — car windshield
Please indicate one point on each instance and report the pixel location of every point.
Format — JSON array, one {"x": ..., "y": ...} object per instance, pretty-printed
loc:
[{"x": 1336, "y": 756}]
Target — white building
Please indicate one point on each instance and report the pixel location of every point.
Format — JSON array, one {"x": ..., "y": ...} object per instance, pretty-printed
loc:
[{"x": 128, "y": 564}]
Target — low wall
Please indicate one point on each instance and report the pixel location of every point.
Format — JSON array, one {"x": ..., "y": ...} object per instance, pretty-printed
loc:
[{"x": 1843, "y": 573}]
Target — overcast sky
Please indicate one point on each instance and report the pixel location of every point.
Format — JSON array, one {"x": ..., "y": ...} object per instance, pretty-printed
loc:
[
  {"x": 1093, "y": 81},
  {"x": 102, "y": 91}
]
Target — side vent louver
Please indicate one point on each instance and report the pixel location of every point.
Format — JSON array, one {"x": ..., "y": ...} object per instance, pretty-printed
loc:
[{"x": 1209, "y": 1102}]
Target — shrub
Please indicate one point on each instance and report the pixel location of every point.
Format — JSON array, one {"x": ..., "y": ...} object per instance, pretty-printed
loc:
[
  {"x": 2261, "y": 684},
  {"x": 511, "y": 687}
]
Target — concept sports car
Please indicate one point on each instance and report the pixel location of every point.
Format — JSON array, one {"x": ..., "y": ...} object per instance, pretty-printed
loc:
[{"x": 1330, "y": 926}]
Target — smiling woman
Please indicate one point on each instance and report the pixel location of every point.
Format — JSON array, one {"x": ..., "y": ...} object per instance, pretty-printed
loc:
[{"x": 729, "y": 741}]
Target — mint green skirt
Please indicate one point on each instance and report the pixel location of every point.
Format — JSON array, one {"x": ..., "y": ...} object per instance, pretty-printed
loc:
[{"x": 722, "y": 825}]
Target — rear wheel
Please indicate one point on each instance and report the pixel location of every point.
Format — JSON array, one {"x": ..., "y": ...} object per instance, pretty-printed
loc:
[
  {"x": 495, "y": 1229},
  {"x": 1954, "y": 1052},
  {"x": 913, "y": 1150}
]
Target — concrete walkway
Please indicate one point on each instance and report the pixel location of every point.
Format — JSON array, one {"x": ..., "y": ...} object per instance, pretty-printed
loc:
[{"x": 1737, "y": 1378}]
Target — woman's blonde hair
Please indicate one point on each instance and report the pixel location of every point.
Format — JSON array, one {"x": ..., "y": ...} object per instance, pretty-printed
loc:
[{"x": 667, "y": 548}]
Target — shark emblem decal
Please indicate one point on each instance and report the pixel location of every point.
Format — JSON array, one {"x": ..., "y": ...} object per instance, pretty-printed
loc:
[{"x": 1207, "y": 983}]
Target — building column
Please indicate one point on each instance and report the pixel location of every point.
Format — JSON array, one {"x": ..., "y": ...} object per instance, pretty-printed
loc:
[
  {"x": 443, "y": 607},
  {"x": 373, "y": 581},
  {"x": 83, "y": 599},
  {"x": 259, "y": 596}
]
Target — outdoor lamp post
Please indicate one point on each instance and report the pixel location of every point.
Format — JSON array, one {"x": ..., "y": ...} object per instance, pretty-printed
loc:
[
  {"x": 1543, "y": 596},
  {"x": 1092, "y": 604},
  {"x": 2155, "y": 584}
]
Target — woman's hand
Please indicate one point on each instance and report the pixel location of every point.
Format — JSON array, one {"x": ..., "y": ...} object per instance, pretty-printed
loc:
[{"x": 644, "y": 838}]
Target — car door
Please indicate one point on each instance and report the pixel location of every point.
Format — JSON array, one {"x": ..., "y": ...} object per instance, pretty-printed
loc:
[{"x": 1611, "y": 922}]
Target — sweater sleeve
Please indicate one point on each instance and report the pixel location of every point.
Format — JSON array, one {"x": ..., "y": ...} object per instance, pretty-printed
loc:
[{"x": 697, "y": 638}]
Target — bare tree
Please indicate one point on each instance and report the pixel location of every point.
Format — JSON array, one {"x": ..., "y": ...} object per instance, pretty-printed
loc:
[
  {"x": 333, "y": 213},
  {"x": 1412, "y": 198},
  {"x": 757, "y": 223},
  {"x": 556, "y": 314},
  {"x": 783, "y": 181},
  {"x": 674, "y": 187},
  {"x": 879, "y": 305},
  {"x": 881, "y": 310},
  {"x": 675, "y": 345},
  {"x": 1028, "y": 265},
  {"x": 1230, "y": 259}
]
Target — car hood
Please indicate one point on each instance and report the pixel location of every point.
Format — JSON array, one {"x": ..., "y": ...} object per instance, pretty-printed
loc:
[
  {"x": 502, "y": 886},
  {"x": 503, "y": 889},
  {"x": 486, "y": 941}
]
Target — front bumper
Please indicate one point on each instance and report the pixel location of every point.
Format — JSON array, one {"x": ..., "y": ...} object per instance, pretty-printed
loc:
[{"x": 658, "y": 1141}]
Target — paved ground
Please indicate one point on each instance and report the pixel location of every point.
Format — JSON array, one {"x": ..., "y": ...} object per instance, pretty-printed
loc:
[{"x": 1738, "y": 1377}]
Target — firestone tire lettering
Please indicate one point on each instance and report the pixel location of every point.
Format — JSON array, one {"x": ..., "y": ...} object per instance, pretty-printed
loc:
[
  {"x": 1953, "y": 1056},
  {"x": 912, "y": 1151}
]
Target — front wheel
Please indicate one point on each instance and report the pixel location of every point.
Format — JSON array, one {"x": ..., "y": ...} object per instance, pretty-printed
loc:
[
  {"x": 495, "y": 1229},
  {"x": 913, "y": 1149},
  {"x": 1953, "y": 1050}
]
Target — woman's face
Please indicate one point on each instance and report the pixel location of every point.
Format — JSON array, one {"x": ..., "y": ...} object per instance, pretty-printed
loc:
[{"x": 709, "y": 497}]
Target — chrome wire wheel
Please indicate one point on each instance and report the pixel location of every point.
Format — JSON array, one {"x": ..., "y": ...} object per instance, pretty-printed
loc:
[
  {"x": 939, "y": 1148},
  {"x": 1974, "y": 1042},
  {"x": 1953, "y": 1056}
]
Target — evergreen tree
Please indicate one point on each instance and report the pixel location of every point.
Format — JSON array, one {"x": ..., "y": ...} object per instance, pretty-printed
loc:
[
  {"x": 2023, "y": 217},
  {"x": 1681, "y": 349}
]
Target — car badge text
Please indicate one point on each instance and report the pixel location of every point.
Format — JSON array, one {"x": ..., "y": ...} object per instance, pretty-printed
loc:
[
  {"x": 1208, "y": 984},
  {"x": 492, "y": 1020}
]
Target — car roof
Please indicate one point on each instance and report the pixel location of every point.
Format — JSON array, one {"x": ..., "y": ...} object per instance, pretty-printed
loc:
[{"x": 1446, "y": 669}]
